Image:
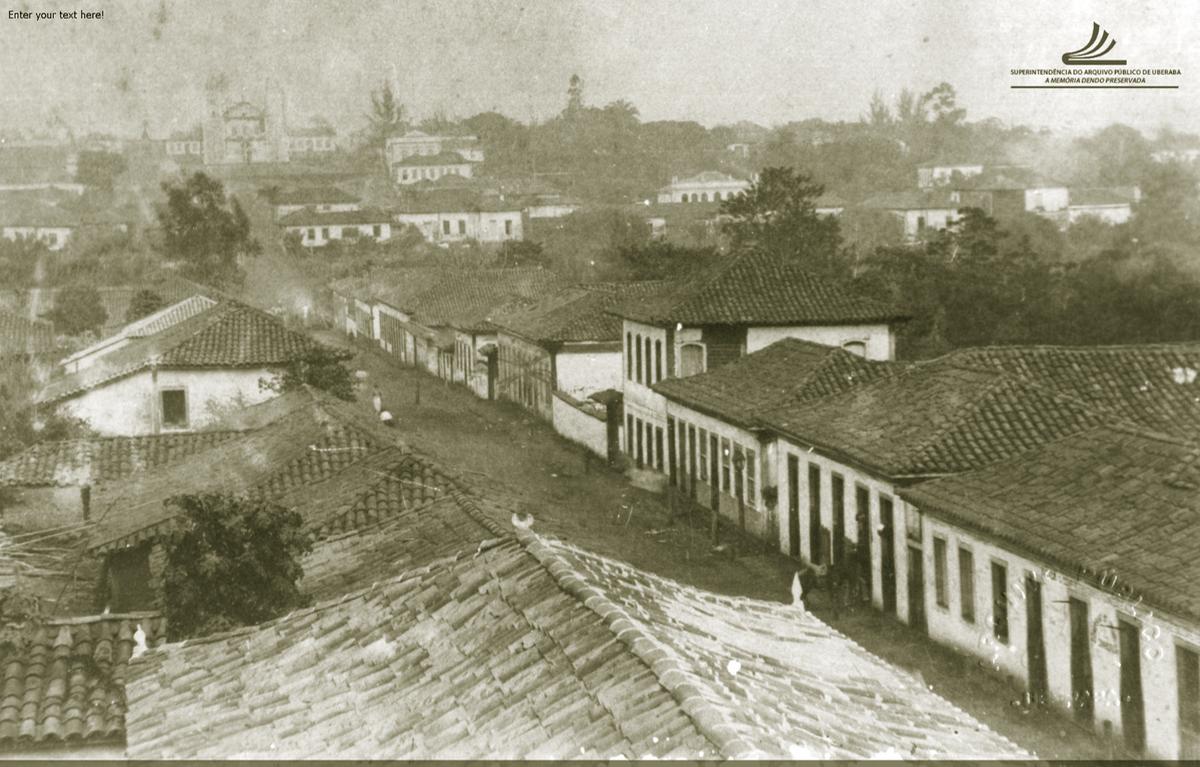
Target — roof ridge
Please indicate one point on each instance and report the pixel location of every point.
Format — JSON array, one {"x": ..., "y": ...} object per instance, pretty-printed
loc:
[{"x": 663, "y": 663}]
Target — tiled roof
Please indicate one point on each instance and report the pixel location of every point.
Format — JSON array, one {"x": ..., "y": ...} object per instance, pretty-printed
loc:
[
  {"x": 314, "y": 217},
  {"x": 26, "y": 212},
  {"x": 467, "y": 300},
  {"x": 314, "y": 195},
  {"x": 102, "y": 459},
  {"x": 65, "y": 684},
  {"x": 913, "y": 199},
  {"x": 450, "y": 195},
  {"x": 1101, "y": 196},
  {"x": 528, "y": 649},
  {"x": 935, "y": 418},
  {"x": 20, "y": 336},
  {"x": 441, "y": 158},
  {"x": 706, "y": 177},
  {"x": 576, "y": 314},
  {"x": 789, "y": 371},
  {"x": 758, "y": 289},
  {"x": 228, "y": 335},
  {"x": 1110, "y": 499},
  {"x": 149, "y": 325},
  {"x": 1156, "y": 385}
]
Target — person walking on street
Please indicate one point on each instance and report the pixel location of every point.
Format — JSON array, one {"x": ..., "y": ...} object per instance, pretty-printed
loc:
[{"x": 377, "y": 401}]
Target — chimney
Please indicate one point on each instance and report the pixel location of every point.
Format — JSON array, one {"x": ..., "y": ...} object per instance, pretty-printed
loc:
[{"x": 85, "y": 501}]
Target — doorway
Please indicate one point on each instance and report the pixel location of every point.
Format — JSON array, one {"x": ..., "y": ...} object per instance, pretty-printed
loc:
[
  {"x": 793, "y": 480},
  {"x": 1035, "y": 641},
  {"x": 916, "y": 589}
]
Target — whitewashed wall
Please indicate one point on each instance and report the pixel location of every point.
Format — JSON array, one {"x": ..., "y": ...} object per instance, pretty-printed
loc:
[{"x": 582, "y": 370}]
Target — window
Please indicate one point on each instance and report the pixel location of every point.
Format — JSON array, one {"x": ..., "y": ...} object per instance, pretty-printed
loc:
[
  {"x": 739, "y": 477},
  {"x": 1133, "y": 713},
  {"x": 1082, "y": 692},
  {"x": 691, "y": 360},
  {"x": 939, "y": 572},
  {"x": 920, "y": 223},
  {"x": 446, "y": 226},
  {"x": 649, "y": 370},
  {"x": 324, "y": 233},
  {"x": 312, "y": 234},
  {"x": 1000, "y": 602},
  {"x": 629, "y": 435},
  {"x": 691, "y": 451},
  {"x": 129, "y": 580},
  {"x": 629, "y": 356},
  {"x": 174, "y": 408},
  {"x": 641, "y": 447},
  {"x": 638, "y": 351},
  {"x": 751, "y": 479},
  {"x": 726, "y": 455},
  {"x": 856, "y": 347},
  {"x": 1187, "y": 674},
  {"x": 508, "y": 227},
  {"x": 377, "y": 229},
  {"x": 462, "y": 226},
  {"x": 703, "y": 455},
  {"x": 837, "y": 492},
  {"x": 658, "y": 448},
  {"x": 658, "y": 360},
  {"x": 966, "y": 584},
  {"x": 814, "y": 513}
]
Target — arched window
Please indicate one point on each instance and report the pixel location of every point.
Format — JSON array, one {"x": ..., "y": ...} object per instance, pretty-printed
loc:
[
  {"x": 856, "y": 347},
  {"x": 716, "y": 196},
  {"x": 691, "y": 360}
]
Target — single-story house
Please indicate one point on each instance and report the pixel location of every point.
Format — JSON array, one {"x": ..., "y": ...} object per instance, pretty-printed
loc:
[
  {"x": 317, "y": 229},
  {"x": 920, "y": 211},
  {"x": 323, "y": 199}
]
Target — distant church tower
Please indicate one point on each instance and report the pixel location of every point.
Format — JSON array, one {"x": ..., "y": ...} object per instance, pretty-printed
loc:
[{"x": 212, "y": 130}]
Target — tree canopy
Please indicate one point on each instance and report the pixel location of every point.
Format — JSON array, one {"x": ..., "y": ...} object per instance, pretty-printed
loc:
[
  {"x": 233, "y": 561},
  {"x": 78, "y": 309},
  {"x": 205, "y": 230}
]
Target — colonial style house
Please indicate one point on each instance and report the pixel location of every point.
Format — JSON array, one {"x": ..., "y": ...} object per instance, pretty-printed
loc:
[
  {"x": 941, "y": 172},
  {"x": 718, "y": 452},
  {"x": 709, "y": 186},
  {"x": 920, "y": 211},
  {"x": 180, "y": 378},
  {"x": 737, "y": 307},
  {"x": 314, "y": 141},
  {"x": 323, "y": 199},
  {"x": 459, "y": 215},
  {"x": 1011, "y": 191},
  {"x": 316, "y": 229},
  {"x": 185, "y": 144},
  {"x": 1073, "y": 567},
  {"x": 421, "y": 167},
  {"x": 418, "y": 143}
]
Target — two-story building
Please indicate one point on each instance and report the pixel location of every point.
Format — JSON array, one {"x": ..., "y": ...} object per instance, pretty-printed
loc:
[
  {"x": 737, "y": 307},
  {"x": 420, "y": 167}
]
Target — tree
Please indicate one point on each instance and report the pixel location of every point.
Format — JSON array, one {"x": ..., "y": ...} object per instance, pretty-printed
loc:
[
  {"x": 387, "y": 114},
  {"x": 205, "y": 230},
  {"x": 144, "y": 303},
  {"x": 879, "y": 115},
  {"x": 78, "y": 309},
  {"x": 319, "y": 367},
  {"x": 233, "y": 561},
  {"x": 522, "y": 253},
  {"x": 21, "y": 425},
  {"x": 657, "y": 260},
  {"x": 778, "y": 215},
  {"x": 574, "y": 98}
]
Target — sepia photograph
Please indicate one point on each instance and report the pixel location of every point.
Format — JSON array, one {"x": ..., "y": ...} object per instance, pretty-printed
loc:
[{"x": 790, "y": 380}]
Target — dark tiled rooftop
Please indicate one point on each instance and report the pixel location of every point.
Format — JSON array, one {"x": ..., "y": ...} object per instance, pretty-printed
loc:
[
  {"x": 21, "y": 337},
  {"x": 1110, "y": 498},
  {"x": 576, "y": 314}
]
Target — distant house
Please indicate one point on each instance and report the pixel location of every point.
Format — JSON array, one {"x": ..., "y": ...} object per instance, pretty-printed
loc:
[
  {"x": 735, "y": 308},
  {"x": 551, "y": 205},
  {"x": 939, "y": 173},
  {"x": 1110, "y": 205},
  {"x": 1178, "y": 154},
  {"x": 323, "y": 199},
  {"x": 30, "y": 219},
  {"x": 420, "y": 167},
  {"x": 180, "y": 378},
  {"x": 185, "y": 144},
  {"x": 920, "y": 211},
  {"x": 317, "y": 229},
  {"x": 419, "y": 143},
  {"x": 709, "y": 186},
  {"x": 738, "y": 148},
  {"x": 310, "y": 141},
  {"x": 1012, "y": 191},
  {"x": 458, "y": 215},
  {"x": 39, "y": 167}
]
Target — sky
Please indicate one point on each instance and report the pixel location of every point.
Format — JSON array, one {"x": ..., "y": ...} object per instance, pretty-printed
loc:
[{"x": 712, "y": 61}]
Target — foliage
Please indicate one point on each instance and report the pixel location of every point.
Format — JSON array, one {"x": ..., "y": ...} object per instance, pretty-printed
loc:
[
  {"x": 21, "y": 425},
  {"x": 77, "y": 310},
  {"x": 777, "y": 214},
  {"x": 232, "y": 562},
  {"x": 658, "y": 260},
  {"x": 320, "y": 367},
  {"x": 99, "y": 169},
  {"x": 206, "y": 231},
  {"x": 521, "y": 253},
  {"x": 585, "y": 244},
  {"x": 144, "y": 303}
]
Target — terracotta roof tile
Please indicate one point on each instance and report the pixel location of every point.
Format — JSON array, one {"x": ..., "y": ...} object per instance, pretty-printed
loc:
[
  {"x": 758, "y": 289},
  {"x": 789, "y": 371},
  {"x": 467, "y": 300},
  {"x": 24, "y": 337},
  {"x": 1127, "y": 496},
  {"x": 576, "y": 314}
]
